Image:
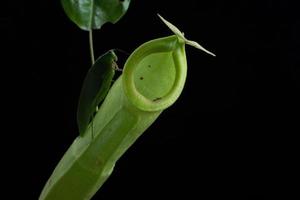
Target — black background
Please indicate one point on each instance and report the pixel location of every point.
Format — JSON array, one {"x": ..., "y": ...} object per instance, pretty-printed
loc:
[{"x": 218, "y": 138}]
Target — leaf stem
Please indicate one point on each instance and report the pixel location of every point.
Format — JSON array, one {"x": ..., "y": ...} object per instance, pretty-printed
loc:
[
  {"x": 93, "y": 61},
  {"x": 91, "y": 46}
]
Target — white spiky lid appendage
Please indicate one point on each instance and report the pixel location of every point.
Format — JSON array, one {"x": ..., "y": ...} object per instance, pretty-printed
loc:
[{"x": 177, "y": 32}]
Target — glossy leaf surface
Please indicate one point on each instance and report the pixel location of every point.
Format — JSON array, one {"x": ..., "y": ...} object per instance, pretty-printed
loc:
[{"x": 92, "y": 14}]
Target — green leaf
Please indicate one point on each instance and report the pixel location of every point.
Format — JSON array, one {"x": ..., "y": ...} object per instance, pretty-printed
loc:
[
  {"x": 92, "y": 14},
  {"x": 95, "y": 87}
]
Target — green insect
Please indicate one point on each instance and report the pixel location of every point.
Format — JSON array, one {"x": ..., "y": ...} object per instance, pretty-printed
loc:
[{"x": 153, "y": 78}]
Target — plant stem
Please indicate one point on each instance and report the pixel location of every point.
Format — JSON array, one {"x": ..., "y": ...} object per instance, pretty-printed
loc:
[
  {"x": 93, "y": 61},
  {"x": 91, "y": 46},
  {"x": 92, "y": 51}
]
